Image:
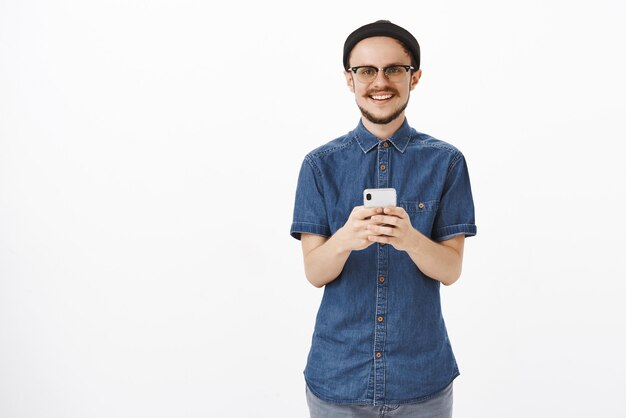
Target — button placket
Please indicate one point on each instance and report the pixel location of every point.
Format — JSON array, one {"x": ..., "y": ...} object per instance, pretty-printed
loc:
[{"x": 380, "y": 329}]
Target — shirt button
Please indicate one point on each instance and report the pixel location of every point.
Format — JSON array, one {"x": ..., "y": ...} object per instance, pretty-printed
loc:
[
  {"x": 379, "y": 319},
  {"x": 421, "y": 205},
  {"x": 381, "y": 279},
  {"x": 379, "y": 354},
  {"x": 385, "y": 144},
  {"x": 382, "y": 167}
]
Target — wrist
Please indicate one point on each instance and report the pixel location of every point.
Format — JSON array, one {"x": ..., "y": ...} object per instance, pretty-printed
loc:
[
  {"x": 416, "y": 242},
  {"x": 339, "y": 244}
]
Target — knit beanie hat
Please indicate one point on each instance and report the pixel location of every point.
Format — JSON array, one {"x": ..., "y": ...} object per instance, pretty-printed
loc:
[{"x": 382, "y": 28}]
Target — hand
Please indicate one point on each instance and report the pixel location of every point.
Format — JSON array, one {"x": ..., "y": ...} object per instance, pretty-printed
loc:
[
  {"x": 393, "y": 227},
  {"x": 354, "y": 234}
]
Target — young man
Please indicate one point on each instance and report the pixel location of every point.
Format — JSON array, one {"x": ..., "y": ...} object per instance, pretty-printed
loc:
[{"x": 380, "y": 343}]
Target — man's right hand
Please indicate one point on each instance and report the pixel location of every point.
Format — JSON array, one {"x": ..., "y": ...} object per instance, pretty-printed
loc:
[
  {"x": 352, "y": 236},
  {"x": 325, "y": 257}
]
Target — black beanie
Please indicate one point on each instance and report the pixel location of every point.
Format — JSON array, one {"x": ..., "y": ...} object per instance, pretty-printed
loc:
[{"x": 382, "y": 28}]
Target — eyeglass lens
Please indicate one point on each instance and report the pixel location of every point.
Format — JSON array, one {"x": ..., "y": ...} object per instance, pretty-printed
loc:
[{"x": 393, "y": 73}]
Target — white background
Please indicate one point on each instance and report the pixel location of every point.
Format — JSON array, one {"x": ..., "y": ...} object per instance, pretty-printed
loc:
[{"x": 149, "y": 152}]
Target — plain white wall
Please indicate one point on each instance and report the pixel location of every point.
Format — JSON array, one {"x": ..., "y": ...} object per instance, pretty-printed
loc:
[{"x": 149, "y": 152}]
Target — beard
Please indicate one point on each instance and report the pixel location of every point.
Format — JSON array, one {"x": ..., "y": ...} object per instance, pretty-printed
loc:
[{"x": 383, "y": 120}]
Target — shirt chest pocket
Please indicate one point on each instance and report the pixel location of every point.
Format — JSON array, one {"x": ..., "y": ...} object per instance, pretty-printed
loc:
[{"x": 421, "y": 213}]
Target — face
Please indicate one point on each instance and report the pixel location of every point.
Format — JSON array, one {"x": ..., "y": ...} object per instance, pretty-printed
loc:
[{"x": 381, "y": 101}]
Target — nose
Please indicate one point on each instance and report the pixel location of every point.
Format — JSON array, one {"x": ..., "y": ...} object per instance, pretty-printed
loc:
[{"x": 381, "y": 78}]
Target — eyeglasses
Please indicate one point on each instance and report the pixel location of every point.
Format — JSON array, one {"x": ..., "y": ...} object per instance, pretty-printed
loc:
[{"x": 367, "y": 73}]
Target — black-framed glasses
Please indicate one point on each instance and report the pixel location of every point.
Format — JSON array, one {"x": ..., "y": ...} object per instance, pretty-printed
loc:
[{"x": 368, "y": 73}]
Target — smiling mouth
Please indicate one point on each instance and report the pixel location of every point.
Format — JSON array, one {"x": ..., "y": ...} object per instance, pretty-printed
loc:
[{"x": 381, "y": 96}]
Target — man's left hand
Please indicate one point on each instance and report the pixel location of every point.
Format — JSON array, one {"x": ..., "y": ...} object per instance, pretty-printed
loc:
[{"x": 393, "y": 227}]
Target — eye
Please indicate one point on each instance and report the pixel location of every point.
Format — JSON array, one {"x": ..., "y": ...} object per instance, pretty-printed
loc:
[
  {"x": 368, "y": 71},
  {"x": 396, "y": 69}
]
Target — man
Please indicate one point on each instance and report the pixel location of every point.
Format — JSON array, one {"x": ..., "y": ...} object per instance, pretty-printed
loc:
[{"x": 380, "y": 343}]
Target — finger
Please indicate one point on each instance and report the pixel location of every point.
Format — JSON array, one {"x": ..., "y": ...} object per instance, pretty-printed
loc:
[
  {"x": 356, "y": 209},
  {"x": 380, "y": 239},
  {"x": 381, "y": 230},
  {"x": 365, "y": 212},
  {"x": 396, "y": 211},
  {"x": 382, "y": 219}
]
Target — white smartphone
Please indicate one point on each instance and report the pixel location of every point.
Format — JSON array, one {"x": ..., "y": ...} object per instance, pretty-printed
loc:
[{"x": 379, "y": 198}]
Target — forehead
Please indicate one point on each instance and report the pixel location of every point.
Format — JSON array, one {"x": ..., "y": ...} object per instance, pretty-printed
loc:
[{"x": 379, "y": 50}]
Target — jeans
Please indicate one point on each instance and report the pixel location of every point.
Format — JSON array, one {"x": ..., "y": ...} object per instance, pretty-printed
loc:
[{"x": 439, "y": 406}]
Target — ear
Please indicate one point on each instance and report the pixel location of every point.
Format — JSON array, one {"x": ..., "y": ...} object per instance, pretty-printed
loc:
[
  {"x": 349, "y": 80},
  {"x": 415, "y": 78}
]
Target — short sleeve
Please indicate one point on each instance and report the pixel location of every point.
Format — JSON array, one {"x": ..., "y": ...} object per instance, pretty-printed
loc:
[
  {"x": 455, "y": 215},
  {"x": 309, "y": 213}
]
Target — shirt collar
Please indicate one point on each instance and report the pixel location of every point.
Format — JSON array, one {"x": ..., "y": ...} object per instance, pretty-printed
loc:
[{"x": 367, "y": 141}]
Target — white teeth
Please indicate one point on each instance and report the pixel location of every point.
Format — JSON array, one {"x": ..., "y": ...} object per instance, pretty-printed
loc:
[{"x": 388, "y": 96}]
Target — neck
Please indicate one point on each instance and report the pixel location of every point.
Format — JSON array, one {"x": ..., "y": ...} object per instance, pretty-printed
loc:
[{"x": 385, "y": 131}]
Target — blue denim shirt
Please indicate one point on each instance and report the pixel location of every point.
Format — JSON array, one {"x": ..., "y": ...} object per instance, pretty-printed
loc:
[{"x": 380, "y": 337}]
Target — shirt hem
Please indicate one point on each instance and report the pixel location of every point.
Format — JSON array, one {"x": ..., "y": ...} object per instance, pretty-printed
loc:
[
  {"x": 370, "y": 402},
  {"x": 297, "y": 228},
  {"x": 448, "y": 232}
]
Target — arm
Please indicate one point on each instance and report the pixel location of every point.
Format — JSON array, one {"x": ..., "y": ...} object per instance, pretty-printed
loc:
[
  {"x": 440, "y": 261},
  {"x": 324, "y": 258}
]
